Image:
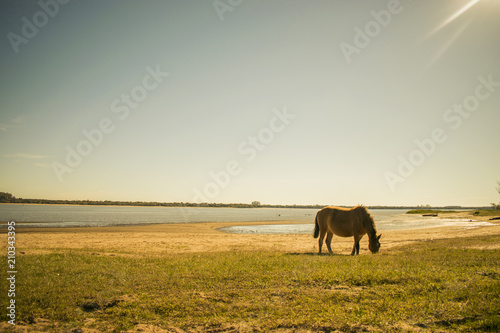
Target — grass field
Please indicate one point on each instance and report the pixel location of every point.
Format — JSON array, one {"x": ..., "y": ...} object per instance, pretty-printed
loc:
[{"x": 447, "y": 285}]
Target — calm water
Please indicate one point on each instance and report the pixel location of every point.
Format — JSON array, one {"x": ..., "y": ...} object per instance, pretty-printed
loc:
[{"x": 99, "y": 216}]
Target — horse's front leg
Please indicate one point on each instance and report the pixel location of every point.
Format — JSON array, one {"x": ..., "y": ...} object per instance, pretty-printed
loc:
[{"x": 355, "y": 248}]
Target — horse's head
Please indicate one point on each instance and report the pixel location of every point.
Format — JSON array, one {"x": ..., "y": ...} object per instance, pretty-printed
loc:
[{"x": 374, "y": 244}]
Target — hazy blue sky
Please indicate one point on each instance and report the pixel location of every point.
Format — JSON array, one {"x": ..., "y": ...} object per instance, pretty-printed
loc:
[{"x": 291, "y": 102}]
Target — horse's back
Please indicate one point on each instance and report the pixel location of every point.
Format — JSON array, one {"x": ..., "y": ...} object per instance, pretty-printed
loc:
[{"x": 340, "y": 221}]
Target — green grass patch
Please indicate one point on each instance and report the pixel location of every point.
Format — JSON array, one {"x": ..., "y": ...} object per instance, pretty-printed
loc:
[
  {"x": 429, "y": 211},
  {"x": 440, "y": 285},
  {"x": 486, "y": 212}
]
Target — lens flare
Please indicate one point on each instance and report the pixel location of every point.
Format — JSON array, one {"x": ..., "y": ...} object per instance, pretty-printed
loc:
[{"x": 453, "y": 17}]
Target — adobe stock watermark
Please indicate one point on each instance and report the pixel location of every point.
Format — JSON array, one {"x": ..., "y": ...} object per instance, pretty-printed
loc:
[
  {"x": 30, "y": 28},
  {"x": 121, "y": 106},
  {"x": 371, "y": 29},
  {"x": 223, "y": 6},
  {"x": 453, "y": 117},
  {"x": 248, "y": 149},
  {"x": 11, "y": 271}
]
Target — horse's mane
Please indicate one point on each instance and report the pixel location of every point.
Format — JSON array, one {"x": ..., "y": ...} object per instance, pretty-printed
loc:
[{"x": 368, "y": 221}]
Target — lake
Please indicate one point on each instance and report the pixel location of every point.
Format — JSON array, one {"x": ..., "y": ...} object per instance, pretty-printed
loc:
[{"x": 101, "y": 216}]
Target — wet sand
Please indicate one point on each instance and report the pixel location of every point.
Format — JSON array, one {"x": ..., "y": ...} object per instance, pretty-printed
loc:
[{"x": 165, "y": 239}]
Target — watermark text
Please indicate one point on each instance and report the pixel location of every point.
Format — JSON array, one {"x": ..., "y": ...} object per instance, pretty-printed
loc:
[
  {"x": 120, "y": 106},
  {"x": 453, "y": 117},
  {"x": 224, "y": 6},
  {"x": 363, "y": 36},
  {"x": 30, "y": 28},
  {"x": 248, "y": 149},
  {"x": 11, "y": 272}
]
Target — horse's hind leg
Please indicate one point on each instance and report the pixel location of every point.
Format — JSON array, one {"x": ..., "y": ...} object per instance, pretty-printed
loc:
[
  {"x": 329, "y": 237},
  {"x": 320, "y": 241}
]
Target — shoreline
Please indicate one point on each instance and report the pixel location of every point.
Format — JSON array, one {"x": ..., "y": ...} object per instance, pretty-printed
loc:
[{"x": 457, "y": 209}]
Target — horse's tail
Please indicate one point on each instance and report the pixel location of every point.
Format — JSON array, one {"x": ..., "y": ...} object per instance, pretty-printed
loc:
[{"x": 316, "y": 227}]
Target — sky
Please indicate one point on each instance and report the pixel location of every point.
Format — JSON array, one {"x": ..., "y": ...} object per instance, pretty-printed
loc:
[{"x": 283, "y": 102}]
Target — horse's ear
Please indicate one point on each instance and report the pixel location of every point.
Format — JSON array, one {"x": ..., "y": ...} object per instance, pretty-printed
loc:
[{"x": 378, "y": 237}]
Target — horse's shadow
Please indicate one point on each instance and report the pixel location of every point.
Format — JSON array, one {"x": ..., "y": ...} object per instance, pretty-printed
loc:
[{"x": 316, "y": 254}]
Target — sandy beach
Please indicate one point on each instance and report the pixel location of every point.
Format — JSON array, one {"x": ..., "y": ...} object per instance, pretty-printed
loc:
[{"x": 168, "y": 239}]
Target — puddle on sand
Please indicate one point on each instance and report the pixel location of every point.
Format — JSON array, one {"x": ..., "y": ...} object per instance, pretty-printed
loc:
[{"x": 289, "y": 229}]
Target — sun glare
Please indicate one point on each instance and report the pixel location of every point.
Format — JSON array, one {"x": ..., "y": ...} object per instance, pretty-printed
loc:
[
  {"x": 453, "y": 17},
  {"x": 458, "y": 32}
]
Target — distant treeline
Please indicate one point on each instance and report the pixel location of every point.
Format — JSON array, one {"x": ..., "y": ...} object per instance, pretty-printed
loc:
[{"x": 9, "y": 198}]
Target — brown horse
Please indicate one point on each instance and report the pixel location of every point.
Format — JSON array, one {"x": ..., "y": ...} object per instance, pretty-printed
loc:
[{"x": 345, "y": 222}]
